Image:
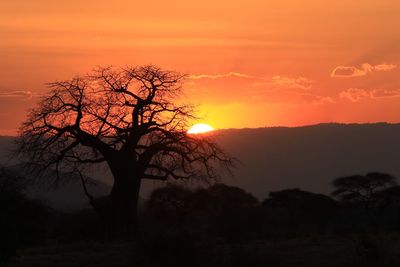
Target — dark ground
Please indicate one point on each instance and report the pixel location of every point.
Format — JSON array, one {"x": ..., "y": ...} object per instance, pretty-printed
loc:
[{"x": 378, "y": 250}]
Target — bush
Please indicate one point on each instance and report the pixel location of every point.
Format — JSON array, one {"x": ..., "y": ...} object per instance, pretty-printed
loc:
[{"x": 21, "y": 219}]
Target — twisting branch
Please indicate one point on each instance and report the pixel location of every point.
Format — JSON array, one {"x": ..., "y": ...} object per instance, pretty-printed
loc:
[{"x": 83, "y": 181}]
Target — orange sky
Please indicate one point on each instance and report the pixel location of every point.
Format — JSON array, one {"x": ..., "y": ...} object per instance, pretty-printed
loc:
[{"x": 252, "y": 63}]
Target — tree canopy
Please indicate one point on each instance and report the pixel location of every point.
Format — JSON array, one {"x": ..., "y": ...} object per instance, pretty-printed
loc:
[{"x": 362, "y": 187}]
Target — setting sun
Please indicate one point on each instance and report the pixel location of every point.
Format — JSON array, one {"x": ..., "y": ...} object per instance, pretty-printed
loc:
[{"x": 200, "y": 128}]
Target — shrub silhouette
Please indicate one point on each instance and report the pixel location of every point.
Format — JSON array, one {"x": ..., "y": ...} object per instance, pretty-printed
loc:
[
  {"x": 300, "y": 211},
  {"x": 21, "y": 219},
  {"x": 170, "y": 206},
  {"x": 218, "y": 210}
]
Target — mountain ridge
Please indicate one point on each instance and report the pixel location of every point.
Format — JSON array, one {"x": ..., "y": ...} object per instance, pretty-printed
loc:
[{"x": 306, "y": 157}]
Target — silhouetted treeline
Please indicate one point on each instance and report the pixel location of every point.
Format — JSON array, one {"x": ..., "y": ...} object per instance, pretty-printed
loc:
[
  {"x": 186, "y": 220},
  {"x": 235, "y": 215}
]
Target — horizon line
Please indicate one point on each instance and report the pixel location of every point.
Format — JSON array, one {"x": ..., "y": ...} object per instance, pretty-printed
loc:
[{"x": 282, "y": 126}]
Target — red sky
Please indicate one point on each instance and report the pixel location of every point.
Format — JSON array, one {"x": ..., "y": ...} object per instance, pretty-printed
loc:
[{"x": 252, "y": 63}]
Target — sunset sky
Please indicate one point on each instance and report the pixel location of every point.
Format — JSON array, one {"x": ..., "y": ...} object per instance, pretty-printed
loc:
[{"x": 251, "y": 63}]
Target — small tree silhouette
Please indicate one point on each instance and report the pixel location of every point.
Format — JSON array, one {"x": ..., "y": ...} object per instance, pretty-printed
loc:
[
  {"x": 362, "y": 188},
  {"x": 130, "y": 119},
  {"x": 368, "y": 190}
]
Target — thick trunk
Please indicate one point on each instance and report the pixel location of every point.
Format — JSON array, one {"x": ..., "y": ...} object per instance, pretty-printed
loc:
[
  {"x": 124, "y": 207},
  {"x": 124, "y": 197}
]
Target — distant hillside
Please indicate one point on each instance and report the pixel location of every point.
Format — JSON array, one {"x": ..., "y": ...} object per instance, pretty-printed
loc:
[
  {"x": 305, "y": 157},
  {"x": 68, "y": 196},
  {"x": 310, "y": 157}
]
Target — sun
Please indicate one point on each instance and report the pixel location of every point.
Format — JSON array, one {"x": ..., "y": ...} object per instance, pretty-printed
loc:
[{"x": 200, "y": 128}]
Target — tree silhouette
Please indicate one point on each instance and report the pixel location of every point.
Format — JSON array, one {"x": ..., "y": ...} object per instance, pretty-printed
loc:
[
  {"x": 129, "y": 118},
  {"x": 370, "y": 191},
  {"x": 361, "y": 188}
]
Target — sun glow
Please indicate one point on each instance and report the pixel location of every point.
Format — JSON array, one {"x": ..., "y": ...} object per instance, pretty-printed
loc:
[{"x": 200, "y": 128}]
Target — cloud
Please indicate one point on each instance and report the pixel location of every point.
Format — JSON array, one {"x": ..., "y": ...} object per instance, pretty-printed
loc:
[
  {"x": 279, "y": 80},
  {"x": 363, "y": 70},
  {"x": 385, "y": 67},
  {"x": 356, "y": 94},
  {"x": 298, "y": 82},
  {"x": 314, "y": 99},
  {"x": 285, "y": 82},
  {"x": 282, "y": 89},
  {"x": 16, "y": 93},
  {"x": 217, "y": 76},
  {"x": 324, "y": 100},
  {"x": 19, "y": 94},
  {"x": 386, "y": 93}
]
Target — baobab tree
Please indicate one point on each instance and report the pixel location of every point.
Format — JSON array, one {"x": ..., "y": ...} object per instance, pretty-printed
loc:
[{"x": 132, "y": 119}]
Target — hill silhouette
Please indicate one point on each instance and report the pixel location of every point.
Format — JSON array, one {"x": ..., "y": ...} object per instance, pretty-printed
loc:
[
  {"x": 306, "y": 157},
  {"x": 68, "y": 196},
  {"x": 310, "y": 157}
]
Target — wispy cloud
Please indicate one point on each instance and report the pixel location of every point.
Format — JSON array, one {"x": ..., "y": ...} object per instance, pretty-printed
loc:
[
  {"x": 386, "y": 93},
  {"x": 315, "y": 99},
  {"x": 16, "y": 93},
  {"x": 278, "y": 80},
  {"x": 19, "y": 94},
  {"x": 363, "y": 70},
  {"x": 217, "y": 76},
  {"x": 282, "y": 81},
  {"x": 384, "y": 67},
  {"x": 357, "y": 94},
  {"x": 279, "y": 89},
  {"x": 297, "y": 82}
]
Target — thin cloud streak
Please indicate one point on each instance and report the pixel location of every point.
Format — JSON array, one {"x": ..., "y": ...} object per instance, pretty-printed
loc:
[
  {"x": 298, "y": 82},
  {"x": 16, "y": 93},
  {"x": 21, "y": 94},
  {"x": 278, "y": 80},
  {"x": 217, "y": 76}
]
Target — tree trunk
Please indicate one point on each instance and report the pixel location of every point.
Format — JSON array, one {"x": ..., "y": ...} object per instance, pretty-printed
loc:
[{"x": 124, "y": 198}]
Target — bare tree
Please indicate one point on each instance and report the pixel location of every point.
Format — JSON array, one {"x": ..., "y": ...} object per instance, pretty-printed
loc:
[{"x": 131, "y": 119}]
